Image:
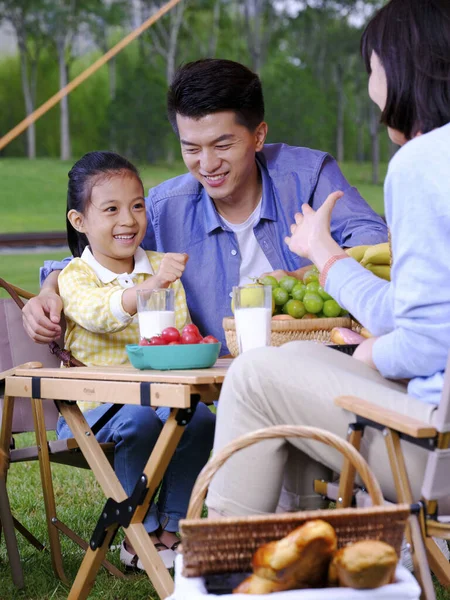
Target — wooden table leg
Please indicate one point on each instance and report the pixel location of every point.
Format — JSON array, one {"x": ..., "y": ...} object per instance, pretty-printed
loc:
[
  {"x": 47, "y": 489},
  {"x": 88, "y": 570},
  {"x": 154, "y": 470},
  {"x": 6, "y": 518}
]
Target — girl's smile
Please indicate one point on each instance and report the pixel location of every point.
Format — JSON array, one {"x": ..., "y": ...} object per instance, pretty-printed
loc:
[{"x": 114, "y": 221}]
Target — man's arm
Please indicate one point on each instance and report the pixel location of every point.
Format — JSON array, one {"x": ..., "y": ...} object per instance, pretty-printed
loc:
[
  {"x": 41, "y": 314},
  {"x": 353, "y": 221}
]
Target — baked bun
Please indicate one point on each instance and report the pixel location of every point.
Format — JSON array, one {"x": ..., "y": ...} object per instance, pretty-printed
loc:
[
  {"x": 365, "y": 564},
  {"x": 343, "y": 335},
  {"x": 301, "y": 559},
  {"x": 258, "y": 585}
]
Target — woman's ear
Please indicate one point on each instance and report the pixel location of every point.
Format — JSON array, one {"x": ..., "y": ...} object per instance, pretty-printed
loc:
[
  {"x": 76, "y": 220},
  {"x": 260, "y": 136}
]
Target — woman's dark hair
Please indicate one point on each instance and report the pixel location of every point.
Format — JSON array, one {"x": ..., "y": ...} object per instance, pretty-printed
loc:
[
  {"x": 83, "y": 176},
  {"x": 412, "y": 40},
  {"x": 212, "y": 85}
]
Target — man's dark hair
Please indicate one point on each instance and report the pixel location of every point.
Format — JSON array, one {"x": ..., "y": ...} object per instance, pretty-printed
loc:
[
  {"x": 412, "y": 40},
  {"x": 91, "y": 169},
  {"x": 213, "y": 85}
]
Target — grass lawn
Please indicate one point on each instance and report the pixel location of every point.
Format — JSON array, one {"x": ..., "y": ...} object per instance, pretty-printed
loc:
[
  {"x": 79, "y": 503},
  {"x": 33, "y": 193},
  {"x": 23, "y": 269}
]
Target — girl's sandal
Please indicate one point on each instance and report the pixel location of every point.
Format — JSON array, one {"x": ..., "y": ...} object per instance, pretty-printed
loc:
[
  {"x": 174, "y": 547},
  {"x": 166, "y": 554}
]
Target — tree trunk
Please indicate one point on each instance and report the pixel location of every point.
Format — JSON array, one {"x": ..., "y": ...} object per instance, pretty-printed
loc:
[
  {"x": 65, "y": 146},
  {"x": 375, "y": 138},
  {"x": 340, "y": 113},
  {"x": 392, "y": 148},
  {"x": 112, "y": 78},
  {"x": 212, "y": 45},
  {"x": 29, "y": 101},
  {"x": 175, "y": 24}
]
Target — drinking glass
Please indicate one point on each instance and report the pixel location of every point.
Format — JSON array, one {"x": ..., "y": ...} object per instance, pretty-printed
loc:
[
  {"x": 252, "y": 315},
  {"x": 156, "y": 311}
]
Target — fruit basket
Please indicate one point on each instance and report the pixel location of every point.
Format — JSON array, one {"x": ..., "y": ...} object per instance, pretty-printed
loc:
[
  {"x": 291, "y": 330},
  {"x": 211, "y": 547}
]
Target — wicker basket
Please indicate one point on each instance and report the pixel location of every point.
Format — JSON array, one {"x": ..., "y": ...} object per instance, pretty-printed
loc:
[
  {"x": 227, "y": 545},
  {"x": 290, "y": 330}
]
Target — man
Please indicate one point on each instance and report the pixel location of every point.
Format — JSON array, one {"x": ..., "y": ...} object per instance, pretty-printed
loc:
[{"x": 231, "y": 212}]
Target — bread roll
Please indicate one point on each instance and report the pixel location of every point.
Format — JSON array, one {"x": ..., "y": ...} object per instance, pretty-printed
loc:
[
  {"x": 301, "y": 559},
  {"x": 365, "y": 333},
  {"x": 258, "y": 585},
  {"x": 342, "y": 335},
  {"x": 365, "y": 564}
]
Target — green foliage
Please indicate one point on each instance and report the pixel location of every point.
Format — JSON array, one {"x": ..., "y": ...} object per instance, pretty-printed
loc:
[
  {"x": 297, "y": 115},
  {"x": 299, "y": 56},
  {"x": 143, "y": 131}
]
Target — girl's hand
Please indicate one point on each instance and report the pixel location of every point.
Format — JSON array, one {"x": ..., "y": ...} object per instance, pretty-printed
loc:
[
  {"x": 311, "y": 237},
  {"x": 170, "y": 269},
  {"x": 364, "y": 352}
]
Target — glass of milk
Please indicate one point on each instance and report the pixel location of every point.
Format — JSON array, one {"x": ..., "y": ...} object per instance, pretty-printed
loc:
[
  {"x": 252, "y": 315},
  {"x": 156, "y": 311}
]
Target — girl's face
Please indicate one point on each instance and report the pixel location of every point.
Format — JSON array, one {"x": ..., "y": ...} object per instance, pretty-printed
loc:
[
  {"x": 378, "y": 93},
  {"x": 114, "y": 221}
]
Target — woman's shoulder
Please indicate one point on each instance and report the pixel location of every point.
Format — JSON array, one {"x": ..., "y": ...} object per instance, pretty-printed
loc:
[{"x": 423, "y": 153}]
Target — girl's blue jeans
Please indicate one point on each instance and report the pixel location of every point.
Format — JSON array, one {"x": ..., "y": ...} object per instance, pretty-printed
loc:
[{"x": 134, "y": 430}]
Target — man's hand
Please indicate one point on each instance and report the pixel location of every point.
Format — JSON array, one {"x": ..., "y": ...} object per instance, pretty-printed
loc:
[
  {"x": 41, "y": 317},
  {"x": 364, "y": 352},
  {"x": 171, "y": 268}
]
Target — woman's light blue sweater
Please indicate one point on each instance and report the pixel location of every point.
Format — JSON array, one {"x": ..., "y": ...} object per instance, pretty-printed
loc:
[{"x": 412, "y": 312}]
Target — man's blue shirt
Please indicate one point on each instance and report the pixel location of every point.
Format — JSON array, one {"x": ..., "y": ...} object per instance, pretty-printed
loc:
[{"x": 183, "y": 218}]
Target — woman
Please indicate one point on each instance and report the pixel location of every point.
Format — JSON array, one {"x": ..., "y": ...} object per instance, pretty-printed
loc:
[{"x": 406, "y": 48}]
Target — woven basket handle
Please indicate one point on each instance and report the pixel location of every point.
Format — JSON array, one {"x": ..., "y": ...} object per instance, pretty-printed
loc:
[{"x": 282, "y": 431}]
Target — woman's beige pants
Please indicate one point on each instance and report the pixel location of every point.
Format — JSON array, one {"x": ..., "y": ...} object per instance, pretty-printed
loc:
[{"x": 296, "y": 384}]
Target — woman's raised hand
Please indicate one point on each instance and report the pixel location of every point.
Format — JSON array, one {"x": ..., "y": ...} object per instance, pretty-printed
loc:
[{"x": 310, "y": 235}]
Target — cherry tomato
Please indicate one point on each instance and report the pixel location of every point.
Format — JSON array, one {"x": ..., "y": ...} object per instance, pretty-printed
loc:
[
  {"x": 209, "y": 339},
  {"x": 174, "y": 344},
  {"x": 157, "y": 340},
  {"x": 189, "y": 337},
  {"x": 170, "y": 334},
  {"x": 191, "y": 328},
  {"x": 144, "y": 342}
]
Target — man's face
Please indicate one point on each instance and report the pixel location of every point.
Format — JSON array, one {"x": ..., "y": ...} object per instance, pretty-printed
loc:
[{"x": 220, "y": 153}]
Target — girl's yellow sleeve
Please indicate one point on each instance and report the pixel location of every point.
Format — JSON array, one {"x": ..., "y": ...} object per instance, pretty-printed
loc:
[{"x": 87, "y": 301}]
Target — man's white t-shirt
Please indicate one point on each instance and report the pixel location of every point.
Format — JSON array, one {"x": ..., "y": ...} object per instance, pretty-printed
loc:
[{"x": 253, "y": 260}]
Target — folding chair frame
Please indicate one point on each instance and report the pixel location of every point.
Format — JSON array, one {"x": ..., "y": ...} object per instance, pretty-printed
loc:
[{"x": 396, "y": 427}]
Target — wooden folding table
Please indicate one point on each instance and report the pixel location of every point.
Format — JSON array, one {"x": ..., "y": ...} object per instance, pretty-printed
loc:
[{"x": 179, "y": 390}]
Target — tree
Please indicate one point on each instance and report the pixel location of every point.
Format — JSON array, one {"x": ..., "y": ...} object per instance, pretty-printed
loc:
[
  {"x": 26, "y": 19},
  {"x": 64, "y": 19}
]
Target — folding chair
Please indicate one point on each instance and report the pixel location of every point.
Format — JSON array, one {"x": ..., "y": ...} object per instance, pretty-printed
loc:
[
  {"x": 436, "y": 483},
  {"x": 19, "y": 415}
]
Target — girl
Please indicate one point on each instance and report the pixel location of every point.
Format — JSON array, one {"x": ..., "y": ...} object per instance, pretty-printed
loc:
[
  {"x": 106, "y": 222},
  {"x": 406, "y": 48}
]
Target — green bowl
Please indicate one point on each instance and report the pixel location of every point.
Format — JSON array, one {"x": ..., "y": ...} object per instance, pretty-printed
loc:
[{"x": 164, "y": 358}]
